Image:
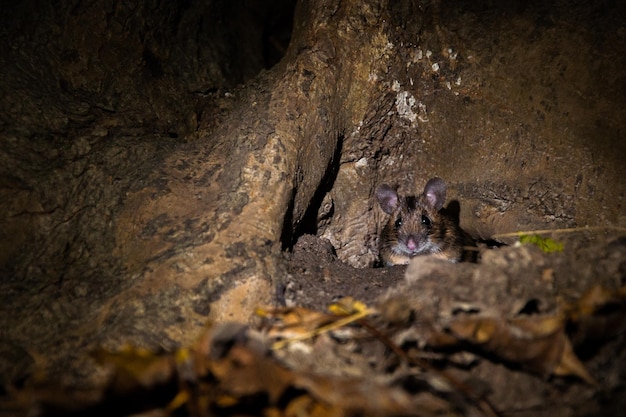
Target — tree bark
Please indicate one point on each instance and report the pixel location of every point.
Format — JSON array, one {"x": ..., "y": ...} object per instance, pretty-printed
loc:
[
  {"x": 232, "y": 200},
  {"x": 151, "y": 238}
]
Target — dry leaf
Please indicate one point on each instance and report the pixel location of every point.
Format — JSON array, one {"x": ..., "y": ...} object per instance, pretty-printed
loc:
[
  {"x": 536, "y": 343},
  {"x": 297, "y": 323},
  {"x": 594, "y": 300},
  {"x": 347, "y": 306},
  {"x": 293, "y": 322},
  {"x": 136, "y": 368}
]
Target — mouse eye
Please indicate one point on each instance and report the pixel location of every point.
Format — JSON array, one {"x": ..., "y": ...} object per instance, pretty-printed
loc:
[
  {"x": 398, "y": 222},
  {"x": 426, "y": 221}
]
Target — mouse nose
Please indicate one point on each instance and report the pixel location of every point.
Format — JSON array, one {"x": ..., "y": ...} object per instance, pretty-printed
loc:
[{"x": 411, "y": 244}]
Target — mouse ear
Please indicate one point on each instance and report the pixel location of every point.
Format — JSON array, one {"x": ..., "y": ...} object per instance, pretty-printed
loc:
[
  {"x": 387, "y": 198},
  {"x": 435, "y": 192}
]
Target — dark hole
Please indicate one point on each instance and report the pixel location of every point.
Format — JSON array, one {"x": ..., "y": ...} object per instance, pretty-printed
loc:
[
  {"x": 308, "y": 225},
  {"x": 277, "y": 31},
  {"x": 531, "y": 307}
]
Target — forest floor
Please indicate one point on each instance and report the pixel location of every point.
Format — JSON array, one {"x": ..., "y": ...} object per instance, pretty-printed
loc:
[{"x": 530, "y": 330}]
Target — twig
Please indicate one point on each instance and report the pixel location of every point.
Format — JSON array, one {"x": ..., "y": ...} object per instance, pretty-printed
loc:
[{"x": 558, "y": 231}]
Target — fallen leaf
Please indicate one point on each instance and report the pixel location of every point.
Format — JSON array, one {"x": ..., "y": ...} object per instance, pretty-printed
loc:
[
  {"x": 136, "y": 368},
  {"x": 535, "y": 343},
  {"x": 297, "y": 323},
  {"x": 546, "y": 244}
]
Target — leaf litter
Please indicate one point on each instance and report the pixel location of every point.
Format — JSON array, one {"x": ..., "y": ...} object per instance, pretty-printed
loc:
[{"x": 408, "y": 351}]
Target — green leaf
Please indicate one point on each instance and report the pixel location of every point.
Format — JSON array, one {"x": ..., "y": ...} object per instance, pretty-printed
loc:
[{"x": 544, "y": 243}]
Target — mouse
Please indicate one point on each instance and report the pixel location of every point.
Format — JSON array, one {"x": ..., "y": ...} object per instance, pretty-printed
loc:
[{"x": 418, "y": 225}]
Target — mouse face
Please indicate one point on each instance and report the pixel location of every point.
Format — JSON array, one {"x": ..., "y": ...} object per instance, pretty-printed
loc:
[{"x": 416, "y": 225}]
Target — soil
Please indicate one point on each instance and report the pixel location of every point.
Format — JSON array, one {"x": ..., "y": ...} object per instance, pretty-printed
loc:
[{"x": 508, "y": 282}]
